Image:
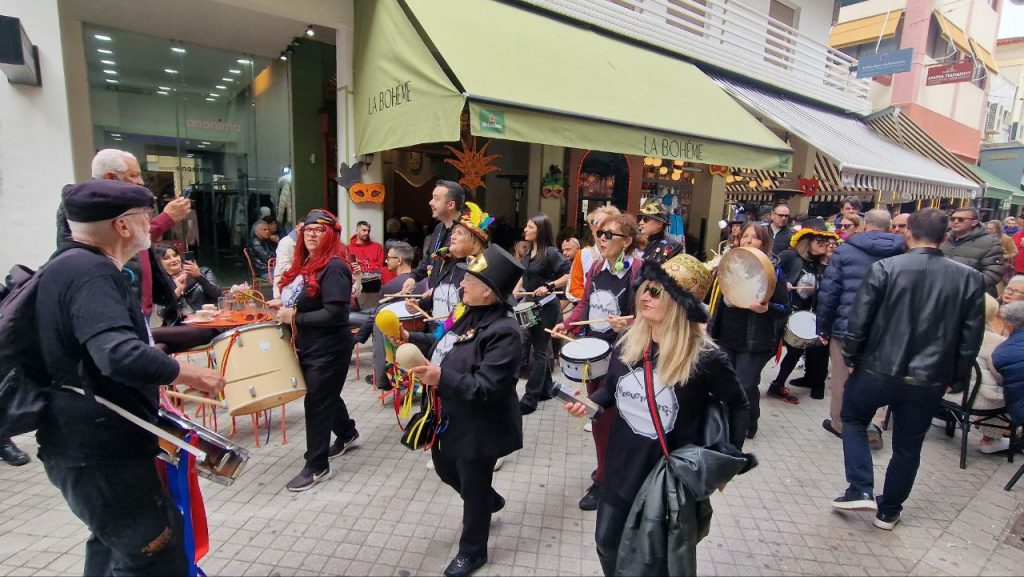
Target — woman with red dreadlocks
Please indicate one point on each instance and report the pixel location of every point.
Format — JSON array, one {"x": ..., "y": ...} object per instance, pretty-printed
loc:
[{"x": 315, "y": 293}]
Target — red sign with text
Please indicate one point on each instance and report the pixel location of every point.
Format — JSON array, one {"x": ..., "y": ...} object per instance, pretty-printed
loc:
[{"x": 950, "y": 73}]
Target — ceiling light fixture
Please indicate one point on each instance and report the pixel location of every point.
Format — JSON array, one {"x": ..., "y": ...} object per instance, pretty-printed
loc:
[
  {"x": 104, "y": 51},
  {"x": 211, "y": 100},
  {"x": 242, "y": 61},
  {"x": 102, "y": 37},
  {"x": 221, "y": 87},
  {"x": 115, "y": 134},
  {"x": 167, "y": 88},
  {"x": 108, "y": 62},
  {"x": 170, "y": 71},
  {"x": 162, "y": 92},
  {"x": 234, "y": 71},
  {"x": 310, "y": 32},
  {"x": 205, "y": 142},
  {"x": 226, "y": 79},
  {"x": 283, "y": 57},
  {"x": 201, "y": 146},
  {"x": 110, "y": 72},
  {"x": 214, "y": 94},
  {"x": 178, "y": 49},
  {"x": 111, "y": 81}
]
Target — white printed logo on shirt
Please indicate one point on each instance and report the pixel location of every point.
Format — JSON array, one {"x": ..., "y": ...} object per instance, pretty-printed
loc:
[
  {"x": 444, "y": 346},
  {"x": 444, "y": 299},
  {"x": 603, "y": 304},
  {"x": 631, "y": 401}
]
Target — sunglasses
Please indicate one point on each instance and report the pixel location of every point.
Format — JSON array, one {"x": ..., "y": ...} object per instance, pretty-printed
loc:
[
  {"x": 782, "y": 215},
  {"x": 607, "y": 234},
  {"x": 844, "y": 226},
  {"x": 960, "y": 218},
  {"x": 654, "y": 291}
]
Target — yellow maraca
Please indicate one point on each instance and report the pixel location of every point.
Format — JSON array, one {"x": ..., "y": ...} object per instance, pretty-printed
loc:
[{"x": 387, "y": 322}]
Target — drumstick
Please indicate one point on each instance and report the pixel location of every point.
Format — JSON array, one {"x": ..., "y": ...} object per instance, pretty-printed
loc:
[
  {"x": 404, "y": 296},
  {"x": 199, "y": 454},
  {"x": 195, "y": 398},
  {"x": 561, "y": 336},
  {"x": 530, "y": 294},
  {"x": 802, "y": 287},
  {"x": 590, "y": 322},
  {"x": 425, "y": 314}
]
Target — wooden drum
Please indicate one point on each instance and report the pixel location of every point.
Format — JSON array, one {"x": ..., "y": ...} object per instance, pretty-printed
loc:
[
  {"x": 261, "y": 368},
  {"x": 745, "y": 277}
]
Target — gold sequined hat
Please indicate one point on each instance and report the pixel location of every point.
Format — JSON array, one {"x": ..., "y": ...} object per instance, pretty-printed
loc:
[
  {"x": 685, "y": 278},
  {"x": 654, "y": 209}
]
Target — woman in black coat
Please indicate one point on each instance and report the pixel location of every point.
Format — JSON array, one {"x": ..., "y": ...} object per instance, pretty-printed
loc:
[
  {"x": 474, "y": 370},
  {"x": 803, "y": 267},
  {"x": 194, "y": 286},
  {"x": 751, "y": 336}
]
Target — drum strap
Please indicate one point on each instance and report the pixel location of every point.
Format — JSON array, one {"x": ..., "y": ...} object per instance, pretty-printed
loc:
[{"x": 652, "y": 404}]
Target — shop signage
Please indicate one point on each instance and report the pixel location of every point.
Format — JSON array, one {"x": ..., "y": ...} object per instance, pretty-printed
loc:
[
  {"x": 884, "y": 64},
  {"x": 212, "y": 125},
  {"x": 391, "y": 97},
  {"x": 1004, "y": 156},
  {"x": 674, "y": 148},
  {"x": 950, "y": 73},
  {"x": 492, "y": 121}
]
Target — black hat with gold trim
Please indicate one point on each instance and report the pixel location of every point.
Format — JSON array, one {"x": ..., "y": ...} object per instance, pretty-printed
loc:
[
  {"x": 813, "y": 227},
  {"x": 655, "y": 210},
  {"x": 499, "y": 270}
]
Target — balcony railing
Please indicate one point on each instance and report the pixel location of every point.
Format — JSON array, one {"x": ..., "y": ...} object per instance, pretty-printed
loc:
[{"x": 732, "y": 36}]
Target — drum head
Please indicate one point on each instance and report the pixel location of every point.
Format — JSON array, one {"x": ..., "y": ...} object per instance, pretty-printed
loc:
[
  {"x": 401, "y": 312},
  {"x": 523, "y": 307},
  {"x": 746, "y": 277},
  {"x": 803, "y": 324},
  {"x": 585, "y": 350}
]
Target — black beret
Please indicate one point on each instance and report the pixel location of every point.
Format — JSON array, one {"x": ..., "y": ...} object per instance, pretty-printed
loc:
[{"x": 98, "y": 199}]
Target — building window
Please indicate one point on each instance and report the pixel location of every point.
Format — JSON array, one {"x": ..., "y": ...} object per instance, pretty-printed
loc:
[
  {"x": 781, "y": 40},
  {"x": 682, "y": 14},
  {"x": 939, "y": 47},
  {"x": 980, "y": 76}
]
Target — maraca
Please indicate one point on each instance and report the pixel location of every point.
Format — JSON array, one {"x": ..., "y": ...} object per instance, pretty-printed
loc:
[
  {"x": 387, "y": 322},
  {"x": 408, "y": 356}
]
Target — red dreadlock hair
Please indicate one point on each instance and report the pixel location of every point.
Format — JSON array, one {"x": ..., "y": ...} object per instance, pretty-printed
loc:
[{"x": 311, "y": 265}]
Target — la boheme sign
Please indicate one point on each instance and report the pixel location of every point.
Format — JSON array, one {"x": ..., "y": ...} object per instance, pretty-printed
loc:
[
  {"x": 675, "y": 148},
  {"x": 391, "y": 97}
]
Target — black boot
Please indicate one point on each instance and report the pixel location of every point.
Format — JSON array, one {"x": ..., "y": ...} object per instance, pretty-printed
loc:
[{"x": 11, "y": 454}]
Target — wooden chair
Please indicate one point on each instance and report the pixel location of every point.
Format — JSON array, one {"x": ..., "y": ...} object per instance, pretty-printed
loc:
[{"x": 963, "y": 415}]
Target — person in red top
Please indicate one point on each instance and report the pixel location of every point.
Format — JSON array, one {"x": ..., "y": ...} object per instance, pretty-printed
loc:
[
  {"x": 1018, "y": 261},
  {"x": 369, "y": 254}
]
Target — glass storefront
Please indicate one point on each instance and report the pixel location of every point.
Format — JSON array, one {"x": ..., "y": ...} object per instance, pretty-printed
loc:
[{"x": 206, "y": 122}]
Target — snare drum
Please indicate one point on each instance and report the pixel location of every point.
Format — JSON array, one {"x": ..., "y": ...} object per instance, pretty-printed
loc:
[
  {"x": 410, "y": 321},
  {"x": 224, "y": 459},
  {"x": 528, "y": 314},
  {"x": 587, "y": 355},
  {"x": 371, "y": 282},
  {"x": 801, "y": 330},
  {"x": 260, "y": 365}
]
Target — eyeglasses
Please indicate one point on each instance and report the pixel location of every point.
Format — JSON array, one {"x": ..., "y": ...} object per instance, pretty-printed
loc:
[
  {"x": 147, "y": 213},
  {"x": 822, "y": 241},
  {"x": 314, "y": 230},
  {"x": 786, "y": 216},
  {"x": 654, "y": 291},
  {"x": 607, "y": 234},
  {"x": 959, "y": 218},
  {"x": 844, "y": 226},
  {"x": 643, "y": 219},
  {"x": 899, "y": 226},
  {"x": 392, "y": 257},
  {"x": 1012, "y": 291}
]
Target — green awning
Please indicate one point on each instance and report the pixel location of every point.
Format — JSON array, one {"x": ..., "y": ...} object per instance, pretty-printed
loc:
[
  {"x": 536, "y": 79},
  {"x": 996, "y": 187}
]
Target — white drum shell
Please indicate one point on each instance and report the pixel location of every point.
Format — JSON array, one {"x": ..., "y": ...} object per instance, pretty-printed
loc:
[
  {"x": 801, "y": 330},
  {"x": 576, "y": 355}
]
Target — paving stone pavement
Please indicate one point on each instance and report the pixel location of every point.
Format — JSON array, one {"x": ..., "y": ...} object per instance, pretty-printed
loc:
[{"x": 384, "y": 513}]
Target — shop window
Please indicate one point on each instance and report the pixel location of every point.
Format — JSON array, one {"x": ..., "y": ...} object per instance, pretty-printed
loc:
[
  {"x": 683, "y": 14},
  {"x": 781, "y": 40},
  {"x": 938, "y": 47}
]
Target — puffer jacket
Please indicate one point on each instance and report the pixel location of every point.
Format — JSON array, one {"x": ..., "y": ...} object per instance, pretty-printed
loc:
[
  {"x": 846, "y": 272},
  {"x": 920, "y": 318},
  {"x": 1008, "y": 360},
  {"x": 980, "y": 251}
]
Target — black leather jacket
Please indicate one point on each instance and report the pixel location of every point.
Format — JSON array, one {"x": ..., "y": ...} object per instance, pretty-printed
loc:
[{"x": 918, "y": 317}]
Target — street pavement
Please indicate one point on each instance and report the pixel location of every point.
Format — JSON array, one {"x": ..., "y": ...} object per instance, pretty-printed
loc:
[{"x": 384, "y": 513}]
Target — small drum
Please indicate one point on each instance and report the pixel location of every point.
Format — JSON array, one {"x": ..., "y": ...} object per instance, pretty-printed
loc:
[
  {"x": 746, "y": 276},
  {"x": 371, "y": 282},
  {"x": 587, "y": 355},
  {"x": 801, "y": 330},
  {"x": 224, "y": 459},
  {"x": 410, "y": 321},
  {"x": 261, "y": 367},
  {"x": 528, "y": 314}
]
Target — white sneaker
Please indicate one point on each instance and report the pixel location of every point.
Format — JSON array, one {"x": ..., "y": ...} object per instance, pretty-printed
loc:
[
  {"x": 499, "y": 463},
  {"x": 588, "y": 426},
  {"x": 430, "y": 464},
  {"x": 997, "y": 446}
]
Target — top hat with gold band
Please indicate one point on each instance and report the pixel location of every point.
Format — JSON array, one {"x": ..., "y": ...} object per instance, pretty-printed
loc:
[
  {"x": 655, "y": 210},
  {"x": 476, "y": 221},
  {"x": 685, "y": 278},
  {"x": 499, "y": 270}
]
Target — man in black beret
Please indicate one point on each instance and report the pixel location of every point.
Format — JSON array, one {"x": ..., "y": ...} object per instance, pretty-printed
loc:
[{"x": 92, "y": 335}]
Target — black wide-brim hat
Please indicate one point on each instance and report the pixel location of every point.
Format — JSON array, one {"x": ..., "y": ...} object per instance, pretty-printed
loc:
[{"x": 499, "y": 270}]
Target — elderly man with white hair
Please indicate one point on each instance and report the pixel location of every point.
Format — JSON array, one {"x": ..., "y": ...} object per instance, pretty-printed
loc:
[
  {"x": 114, "y": 164},
  {"x": 92, "y": 335},
  {"x": 1014, "y": 290}
]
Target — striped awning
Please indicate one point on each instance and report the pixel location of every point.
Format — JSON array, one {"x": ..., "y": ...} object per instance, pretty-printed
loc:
[
  {"x": 897, "y": 126},
  {"x": 858, "y": 157}
]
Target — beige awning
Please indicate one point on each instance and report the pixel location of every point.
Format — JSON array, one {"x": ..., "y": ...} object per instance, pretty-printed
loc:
[{"x": 865, "y": 30}]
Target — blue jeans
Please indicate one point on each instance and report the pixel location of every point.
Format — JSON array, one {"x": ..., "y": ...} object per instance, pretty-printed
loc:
[{"x": 912, "y": 406}]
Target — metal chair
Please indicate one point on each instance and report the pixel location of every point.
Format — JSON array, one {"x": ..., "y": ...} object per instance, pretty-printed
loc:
[
  {"x": 963, "y": 415},
  {"x": 258, "y": 282}
]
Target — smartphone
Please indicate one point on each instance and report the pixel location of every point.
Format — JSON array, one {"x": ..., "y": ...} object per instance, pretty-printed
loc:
[
  {"x": 564, "y": 393},
  {"x": 188, "y": 257},
  {"x": 186, "y": 192}
]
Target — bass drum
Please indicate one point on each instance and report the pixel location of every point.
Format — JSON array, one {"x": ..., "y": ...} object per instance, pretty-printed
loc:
[{"x": 261, "y": 368}]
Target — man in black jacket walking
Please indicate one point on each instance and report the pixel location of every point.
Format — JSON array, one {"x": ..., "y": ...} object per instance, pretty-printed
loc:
[
  {"x": 915, "y": 328},
  {"x": 970, "y": 244}
]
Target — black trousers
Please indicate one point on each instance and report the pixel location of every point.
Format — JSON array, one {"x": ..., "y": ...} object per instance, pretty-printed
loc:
[
  {"x": 815, "y": 369},
  {"x": 611, "y": 521},
  {"x": 325, "y": 410},
  {"x": 748, "y": 367},
  {"x": 180, "y": 338},
  {"x": 538, "y": 386},
  {"x": 471, "y": 479},
  {"x": 136, "y": 529}
]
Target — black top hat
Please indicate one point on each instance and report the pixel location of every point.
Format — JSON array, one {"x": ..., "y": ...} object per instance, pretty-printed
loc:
[{"x": 499, "y": 270}]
